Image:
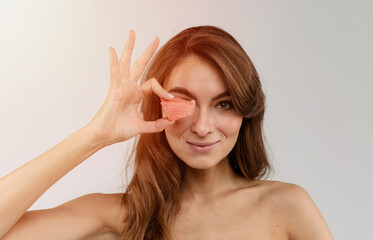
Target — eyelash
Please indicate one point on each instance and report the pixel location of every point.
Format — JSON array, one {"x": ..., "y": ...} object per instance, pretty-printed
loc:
[{"x": 230, "y": 104}]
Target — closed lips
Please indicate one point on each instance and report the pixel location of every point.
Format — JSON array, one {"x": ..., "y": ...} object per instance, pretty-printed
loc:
[{"x": 202, "y": 144}]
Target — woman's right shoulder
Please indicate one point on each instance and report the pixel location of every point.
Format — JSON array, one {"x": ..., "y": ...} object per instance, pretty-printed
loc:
[
  {"x": 105, "y": 206},
  {"x": 109, "y": 207}
]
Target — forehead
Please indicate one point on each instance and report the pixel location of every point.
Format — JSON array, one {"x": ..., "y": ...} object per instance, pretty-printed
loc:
[{"x": 195, "y": 74}]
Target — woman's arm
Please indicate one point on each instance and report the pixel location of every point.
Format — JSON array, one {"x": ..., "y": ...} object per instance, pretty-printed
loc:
[
  {"x": 117, "y": 120},
  {"x": 92, "y": 216},
  {"x": 21, "y": 188}
]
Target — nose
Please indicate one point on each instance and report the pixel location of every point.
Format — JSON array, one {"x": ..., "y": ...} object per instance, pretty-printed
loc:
[{"x": 203, "y": 122}]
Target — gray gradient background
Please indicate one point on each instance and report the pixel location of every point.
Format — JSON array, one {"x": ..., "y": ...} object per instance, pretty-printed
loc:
[{"x": 313, "y": 57}]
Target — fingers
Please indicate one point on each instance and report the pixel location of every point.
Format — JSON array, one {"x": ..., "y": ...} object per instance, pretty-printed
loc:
[
  {"x": 114, "y": 68},
  {"x": 155, "y": 126},
  {"x": 125, "y": 60},
  {"x": 141, "y": 63},
  {"x": 153, "y": 85}
]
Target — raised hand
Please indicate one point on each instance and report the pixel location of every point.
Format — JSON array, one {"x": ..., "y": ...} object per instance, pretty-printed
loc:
[{"x": 118, "y": 119}]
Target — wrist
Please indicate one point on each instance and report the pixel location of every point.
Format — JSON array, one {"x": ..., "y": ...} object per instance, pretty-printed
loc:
[{"x": 96, "y": 141}]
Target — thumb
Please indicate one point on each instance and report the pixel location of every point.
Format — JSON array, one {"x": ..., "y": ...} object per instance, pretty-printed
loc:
[{"x": 156, "y": 126}]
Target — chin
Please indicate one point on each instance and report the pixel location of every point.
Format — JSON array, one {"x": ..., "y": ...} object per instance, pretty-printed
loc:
[
  {"x": 199, "y": 166},
  {"x": 199, "y": 163}
]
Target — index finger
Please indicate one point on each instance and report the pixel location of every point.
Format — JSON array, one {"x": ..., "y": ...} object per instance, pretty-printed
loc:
[{"x": 152, "y": 85}]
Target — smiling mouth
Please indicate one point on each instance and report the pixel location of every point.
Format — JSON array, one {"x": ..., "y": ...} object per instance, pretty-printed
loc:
[
  {"x": 202, "y": 149},
  {"x": 202, "y": 144}
]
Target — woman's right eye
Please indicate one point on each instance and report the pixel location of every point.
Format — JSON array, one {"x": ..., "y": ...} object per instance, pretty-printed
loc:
[{"x": 185, "y": 98}]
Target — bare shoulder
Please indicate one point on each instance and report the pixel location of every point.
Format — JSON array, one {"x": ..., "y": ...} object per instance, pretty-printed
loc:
[
  {"x": 297, "y": 210},
  {"x": 279, "y": 190},
  {"x": 106, "y": 206},
  {"x": 109, "y": 207}
]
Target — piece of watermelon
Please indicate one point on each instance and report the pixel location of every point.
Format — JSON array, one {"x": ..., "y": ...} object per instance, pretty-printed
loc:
[{"x": 177, "y": 108}]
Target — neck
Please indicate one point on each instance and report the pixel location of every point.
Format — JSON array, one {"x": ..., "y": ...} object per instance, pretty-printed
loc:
[{"x": 208, "y": 184}]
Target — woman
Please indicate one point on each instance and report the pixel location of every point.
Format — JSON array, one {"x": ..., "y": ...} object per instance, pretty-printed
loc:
[{"x": 179, "y": 189}]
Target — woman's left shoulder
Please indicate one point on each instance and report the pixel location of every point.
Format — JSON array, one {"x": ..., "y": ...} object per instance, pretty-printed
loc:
[
  {"x": 297, "y": 209},
  {"x": 285, "y": 196},
  {"x": 282, "y": 189}
]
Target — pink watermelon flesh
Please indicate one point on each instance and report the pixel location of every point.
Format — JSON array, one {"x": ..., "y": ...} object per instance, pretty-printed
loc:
[{"x": 177, "y": 108}]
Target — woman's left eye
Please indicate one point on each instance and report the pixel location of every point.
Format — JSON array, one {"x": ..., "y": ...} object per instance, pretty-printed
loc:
[{"x": 226, "y": 105}]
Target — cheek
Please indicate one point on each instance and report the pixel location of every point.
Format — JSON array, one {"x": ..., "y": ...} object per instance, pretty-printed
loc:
[
  {"x": 230, "y": 125},
  {"x": 178, "y": 128}
]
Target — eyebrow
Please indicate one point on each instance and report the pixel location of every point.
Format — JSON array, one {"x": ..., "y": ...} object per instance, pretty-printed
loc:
[{"x": 191, "y": 95}]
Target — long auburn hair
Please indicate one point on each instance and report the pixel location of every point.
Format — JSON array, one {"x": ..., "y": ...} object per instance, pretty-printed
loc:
[{"x": 153, "y": 197}]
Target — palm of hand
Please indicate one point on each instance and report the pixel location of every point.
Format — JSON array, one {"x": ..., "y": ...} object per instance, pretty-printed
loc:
[{"x": 118, "y": 118}]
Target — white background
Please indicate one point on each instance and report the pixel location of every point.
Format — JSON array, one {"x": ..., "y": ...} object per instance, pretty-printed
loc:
[{"x": 314, "y": 59}]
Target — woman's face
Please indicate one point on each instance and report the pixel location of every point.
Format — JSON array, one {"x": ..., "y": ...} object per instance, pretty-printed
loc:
[{"x": 214, "y": 120}]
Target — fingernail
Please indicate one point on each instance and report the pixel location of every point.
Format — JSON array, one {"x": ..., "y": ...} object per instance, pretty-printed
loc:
[{"x": 170, "y": 95}]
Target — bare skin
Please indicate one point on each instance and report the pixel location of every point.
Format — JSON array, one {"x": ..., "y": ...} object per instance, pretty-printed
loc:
[
  {"x": 241, "y": 213},
  {"x": 259, "y": 210},
  {"x": 216, "y": 202},
  {"x": 256, "y": 209},
  {"x": 116, "y": 121},
  {"x": 240, "y": 210}
]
